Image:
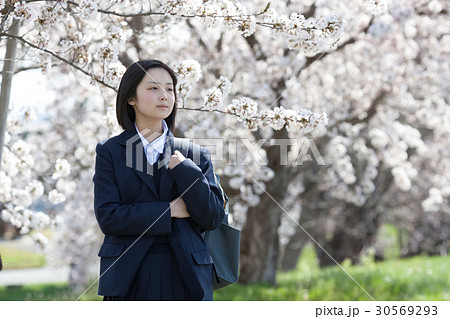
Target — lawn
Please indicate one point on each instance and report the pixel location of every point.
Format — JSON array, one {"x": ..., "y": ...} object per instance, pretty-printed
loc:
[
  {"x": 418, "y": 278},
  {"x": 23, "y": 256},
  {"x": 14, "y": 258}
]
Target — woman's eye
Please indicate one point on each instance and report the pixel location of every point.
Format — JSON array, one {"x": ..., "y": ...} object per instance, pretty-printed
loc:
[{"x": 153, "y": 88}]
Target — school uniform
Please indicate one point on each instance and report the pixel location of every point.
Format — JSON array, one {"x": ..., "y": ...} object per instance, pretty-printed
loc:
[{"x": 146, "y": 254}]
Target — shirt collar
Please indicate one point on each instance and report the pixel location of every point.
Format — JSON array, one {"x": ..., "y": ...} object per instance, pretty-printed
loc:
[{"x": 158, "y": 143}]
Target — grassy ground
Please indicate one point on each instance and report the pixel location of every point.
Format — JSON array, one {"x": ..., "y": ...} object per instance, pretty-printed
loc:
[
  {"x": 14, "y": 258},
  {"x": 418, "y": 278},
  {"x": 23, "y": 254},
  {"x": 37, "y": 292}
]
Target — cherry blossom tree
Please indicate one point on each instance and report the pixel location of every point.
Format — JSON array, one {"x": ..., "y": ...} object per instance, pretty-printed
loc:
[
  {"x": 387, "y": 161},
  {"x": 97, "y": 39},
  {"x": 270, "y": 89}
]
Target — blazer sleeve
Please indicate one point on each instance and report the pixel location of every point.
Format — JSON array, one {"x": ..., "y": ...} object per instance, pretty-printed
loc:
[
  {"x": 200, "y": 191},
  {"x": 115, "y": 218}
]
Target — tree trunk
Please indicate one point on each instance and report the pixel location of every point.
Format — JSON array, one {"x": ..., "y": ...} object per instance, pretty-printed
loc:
[
  {"x": 7, "y": 75},
  {"x": 311, "y": 225},
  {"x": 357, "y": 230},
  {"x": 259, "y": 244},
  {"x": 347, "y": 242},
  {"x": 293, "y": 249},
  {"x": 5, "y": 93},
  {"x": 260, "y": 241},
  {"x": 2, "y": 224},
  {"x": 310, "y": 217}
]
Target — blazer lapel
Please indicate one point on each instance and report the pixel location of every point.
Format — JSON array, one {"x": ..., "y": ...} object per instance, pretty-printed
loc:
[
  {"x": 136, "y": 159},
  {"x": 145, "y": 171}
]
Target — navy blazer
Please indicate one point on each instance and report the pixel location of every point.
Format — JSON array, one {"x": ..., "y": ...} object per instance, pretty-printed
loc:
[{"x": 132, "y": 213}]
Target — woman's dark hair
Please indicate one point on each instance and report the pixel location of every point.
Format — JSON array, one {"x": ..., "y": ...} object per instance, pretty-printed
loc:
[{"x": 127, "y": 90}]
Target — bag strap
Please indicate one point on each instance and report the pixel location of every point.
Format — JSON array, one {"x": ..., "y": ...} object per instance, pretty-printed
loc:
[
  {"x": 224, "y": 198},
  {"x": 182, "y": 144}
]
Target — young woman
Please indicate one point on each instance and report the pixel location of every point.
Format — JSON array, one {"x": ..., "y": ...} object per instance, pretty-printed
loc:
[{"x": 150, "y": 201}]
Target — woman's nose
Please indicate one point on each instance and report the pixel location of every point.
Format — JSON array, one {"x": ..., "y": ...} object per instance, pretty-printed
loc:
[{"x": 165, "y": 95}]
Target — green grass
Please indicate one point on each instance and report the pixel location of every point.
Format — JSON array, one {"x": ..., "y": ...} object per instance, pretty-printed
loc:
[
  {"x": 46, "y": 292},
  {"x": 14, "y": 258},
  {"x": 418, "y": 278},
  {"x": 388, "y": 237}
]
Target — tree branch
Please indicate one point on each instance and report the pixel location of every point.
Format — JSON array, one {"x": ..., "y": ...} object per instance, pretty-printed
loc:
[
  {"x": 22, "y": 69},
  {"x": 311, "y": 60},
  {"x": 254, "y": 44},
  {"x": 21, "y": 39},
  {"x": 372, "y": 109},
  {"x": 370, "y": 112},
  {"x": 205, "y": 110},
  {"x": 311, "y": 12}
]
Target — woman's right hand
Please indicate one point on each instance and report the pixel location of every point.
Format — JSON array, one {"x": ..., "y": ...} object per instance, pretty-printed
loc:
[{"x": 178, "y": 208}]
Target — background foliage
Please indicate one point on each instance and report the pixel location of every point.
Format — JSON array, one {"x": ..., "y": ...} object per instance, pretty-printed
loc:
[{"x": 362, "y": 83}]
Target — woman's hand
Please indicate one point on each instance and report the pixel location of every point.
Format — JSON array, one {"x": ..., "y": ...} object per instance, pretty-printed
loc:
[
  {"x": 176, "y": 159},
  {"x": 178, "y": 208}
]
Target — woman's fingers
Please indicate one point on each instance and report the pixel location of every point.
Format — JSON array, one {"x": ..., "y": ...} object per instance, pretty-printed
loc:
[
  {"x": 178, "y": 208},
  {"x": 176, "y": 159}
]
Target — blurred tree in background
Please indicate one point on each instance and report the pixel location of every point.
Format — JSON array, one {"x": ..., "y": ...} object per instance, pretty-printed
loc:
[{"x": 333, "y": 118}]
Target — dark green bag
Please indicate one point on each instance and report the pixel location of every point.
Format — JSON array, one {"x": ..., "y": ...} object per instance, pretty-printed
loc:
[{"x": 223, "y": 242}]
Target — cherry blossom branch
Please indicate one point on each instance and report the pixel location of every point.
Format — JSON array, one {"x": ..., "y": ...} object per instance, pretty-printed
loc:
[
  {"x": 254, "y": 43},
  {"x": 312, "y": 59},
  {"x": 240, "y": 18},
  {"x": 253, "y": 122},
  {"x": 204, "y": 110},
  {"x": 21, "y": 39},
  {"x": 370, "y": 112},
  {"x": 148, "y": 13},
  {"x": 22, "y": 69},
  {"x": 372, "y": 109}
]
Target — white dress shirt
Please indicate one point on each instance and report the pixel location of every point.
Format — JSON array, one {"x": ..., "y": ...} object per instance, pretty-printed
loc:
[{"x": 156, "y": 147}]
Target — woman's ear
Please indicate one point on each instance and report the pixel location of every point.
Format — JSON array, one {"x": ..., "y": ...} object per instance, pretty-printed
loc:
[{"x": 131, "y": 101}]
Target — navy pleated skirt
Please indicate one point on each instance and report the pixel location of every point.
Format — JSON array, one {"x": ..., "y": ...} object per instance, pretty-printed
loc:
[{"x": 157, "y": 278}]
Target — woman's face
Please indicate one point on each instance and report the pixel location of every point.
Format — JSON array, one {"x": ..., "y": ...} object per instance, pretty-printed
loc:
[{"x": 154, "y": 96}]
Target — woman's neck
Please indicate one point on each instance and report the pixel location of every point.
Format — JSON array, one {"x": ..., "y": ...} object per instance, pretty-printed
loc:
[{"x": 150, "y": 130}]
